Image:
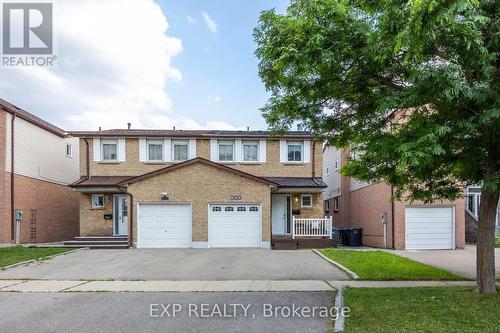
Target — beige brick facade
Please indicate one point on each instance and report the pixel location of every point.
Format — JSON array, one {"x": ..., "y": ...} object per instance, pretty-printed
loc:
[{"x": 92, "y": 221}]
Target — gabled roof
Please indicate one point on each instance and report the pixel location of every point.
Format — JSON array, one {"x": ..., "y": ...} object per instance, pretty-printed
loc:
[
  {"x": 6, "y": 106},
  {"x": 191, "y": 162},
  {"x": 189, "y": 133},
  {"x": 99, "y": 181}
]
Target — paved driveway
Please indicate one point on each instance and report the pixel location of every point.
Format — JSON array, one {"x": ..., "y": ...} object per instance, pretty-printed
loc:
[
  {"x": 461, "y": 262},
  {"x": 181, "y": 264}
]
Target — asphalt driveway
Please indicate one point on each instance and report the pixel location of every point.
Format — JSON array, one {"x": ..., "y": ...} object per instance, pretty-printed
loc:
[
  {"x": 180, "y": 264},
  {"x": 461, "y": 261}
]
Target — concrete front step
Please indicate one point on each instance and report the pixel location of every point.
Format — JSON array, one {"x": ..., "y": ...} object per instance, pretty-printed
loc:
[
  {"x": 101, "y": 238},
  {"x": 98, "y": 246},
  {"x": 99, "y": 242}
]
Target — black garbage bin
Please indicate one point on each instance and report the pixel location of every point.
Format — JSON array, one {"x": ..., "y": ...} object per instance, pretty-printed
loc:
[
  {"x": 344, "y": 236},
  {"x": 355, "y": 237},
  {"x": 335, "y": 237}
]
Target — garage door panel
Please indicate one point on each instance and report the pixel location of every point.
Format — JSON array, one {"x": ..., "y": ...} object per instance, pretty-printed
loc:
[
  {"x": 429, "y": 228},
  {"x": 233, "y": 228},
  {"x": 165, "y": 226}
]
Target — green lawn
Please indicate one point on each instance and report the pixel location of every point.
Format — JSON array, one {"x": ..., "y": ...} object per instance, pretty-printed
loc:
[
  {"x": 380, "y": 265},
  {"x": 422, "y": 309},
  {"x": 14, "y": 254},
  {"x": 497, "y": 240}
]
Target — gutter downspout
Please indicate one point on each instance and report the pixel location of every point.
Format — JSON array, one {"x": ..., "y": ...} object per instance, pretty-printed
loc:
[
  {"x": 313, "y": 163},
  {"x": 12, "y": 213},
  {"x": 392, "y": 218},
  {"x": 87, "y": 174}
]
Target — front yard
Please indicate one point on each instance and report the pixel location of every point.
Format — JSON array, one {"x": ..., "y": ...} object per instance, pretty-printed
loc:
[
  {"x": 15, "y": 254},
  {"x": 421, "y": 309},
  {"x": 380, "y": 265}
]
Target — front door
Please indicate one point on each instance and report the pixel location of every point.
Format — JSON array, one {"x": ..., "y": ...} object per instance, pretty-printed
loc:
[
  {"x": 280, "y": 214},
  {"x": 121, "y": 227}
]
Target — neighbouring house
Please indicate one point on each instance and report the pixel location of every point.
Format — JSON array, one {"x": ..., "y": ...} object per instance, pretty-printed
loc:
[
  {"x": 37, "y": 162},
  {"x": 473, "y": 200},
  {"x": 411, "y": 226},
  {"x": 201, "y": 188}
]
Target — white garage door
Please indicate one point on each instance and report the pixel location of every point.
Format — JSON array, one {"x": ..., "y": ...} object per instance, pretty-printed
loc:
[
  {"x": 235, "y": 225},
  {"x": 164, "y": 225},
  {"x": 429, "y": 228}
]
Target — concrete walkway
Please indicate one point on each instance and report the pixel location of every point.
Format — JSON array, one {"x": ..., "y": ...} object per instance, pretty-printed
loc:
[{"x": 208, "y": 286}]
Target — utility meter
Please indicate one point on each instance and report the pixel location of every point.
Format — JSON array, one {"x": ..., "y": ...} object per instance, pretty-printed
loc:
[
  {"x": 19, "y": 215},
  {"x": 383, "y": 218}
]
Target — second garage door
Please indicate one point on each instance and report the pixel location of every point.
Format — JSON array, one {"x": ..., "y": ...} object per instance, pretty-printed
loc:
[
  {"x": 164, "y": 225},
  {"x": 429, "y": 228},
  {"x": 235, "y": 225}
]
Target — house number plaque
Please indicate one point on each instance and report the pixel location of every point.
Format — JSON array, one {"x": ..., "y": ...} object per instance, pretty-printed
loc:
[{"x": 235, "y": 197}]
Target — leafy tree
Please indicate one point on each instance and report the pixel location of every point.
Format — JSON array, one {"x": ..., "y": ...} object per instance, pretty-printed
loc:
[{"x": 410, "y": 85}]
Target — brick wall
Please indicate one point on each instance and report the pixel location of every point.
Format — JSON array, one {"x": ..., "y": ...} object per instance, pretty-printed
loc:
[
  {"x": 5, "y": 219},
  {"x": 92, "y": 222}
]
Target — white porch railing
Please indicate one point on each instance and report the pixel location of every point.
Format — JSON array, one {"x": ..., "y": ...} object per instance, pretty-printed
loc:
[{"x": 312, "y": 227}]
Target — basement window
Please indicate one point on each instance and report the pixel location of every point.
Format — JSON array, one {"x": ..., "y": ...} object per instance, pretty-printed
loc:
[{"x": 97, "y": 200}]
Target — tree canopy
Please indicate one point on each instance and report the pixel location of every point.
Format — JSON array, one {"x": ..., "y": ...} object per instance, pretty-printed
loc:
[{"x": 411, "y": 85}]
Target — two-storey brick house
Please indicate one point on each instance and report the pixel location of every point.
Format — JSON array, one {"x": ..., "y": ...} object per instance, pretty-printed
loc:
[{"x": 175, "y": 188}]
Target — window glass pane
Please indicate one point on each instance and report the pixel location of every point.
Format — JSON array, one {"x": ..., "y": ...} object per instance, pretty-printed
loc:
[
  {"x": 226, "y": 152},
  {"x": 97, "y": 201},
  {"x": 229, "y": 209},
  {"x": 180, "y": 152},
  {"x": 109, "y": 151},
  {"x": 250, "y": 152},
  {"x": 254, "y": 209},
  {"x": 295, "y": 153},
  {"x": 216, "y": 209},
  {"x": 155, "y": 152},
  {"x": 306, "y": 200},
  {"x": 242, "y": 209}
]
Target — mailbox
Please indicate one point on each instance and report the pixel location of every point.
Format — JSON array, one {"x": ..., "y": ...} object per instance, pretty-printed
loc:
[{"x": 108, "y": 216}]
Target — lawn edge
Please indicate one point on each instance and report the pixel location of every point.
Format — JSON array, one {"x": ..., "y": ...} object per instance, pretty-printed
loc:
[
  {"x": 346, "y": 270},
  {"x": 47, "y": 257},
  {"x": 339, "y": 304}
]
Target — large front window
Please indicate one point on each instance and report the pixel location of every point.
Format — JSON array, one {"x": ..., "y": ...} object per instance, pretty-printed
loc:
[
  {"x": 294, "y": 152},
  {"x": 109, "y": 150},
  {"x": 155, "y": 150},
  {"x": 226, "y": 151},
  {"x": 250, "y": 151},
  {"x": 180, "y": 150}
]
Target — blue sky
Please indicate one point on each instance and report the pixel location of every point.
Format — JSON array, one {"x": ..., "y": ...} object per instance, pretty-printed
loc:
[
  {"x": 154, "y": 63},
  {"x": 218, "y": 65}
]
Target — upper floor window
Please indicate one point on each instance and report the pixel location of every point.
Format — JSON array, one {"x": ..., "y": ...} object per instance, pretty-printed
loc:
[
  {"x": 294, "y": 150},
  {"x": 69, "y": 150},
  {"x": 336, "y": 203},
  {"x": 109, "y": 149},
  {"x": 180, "y": 149},
  {"x": 250, "y": 151},
  {"x": 226, "y": 151},
  {"x": 155, "y": 150}
]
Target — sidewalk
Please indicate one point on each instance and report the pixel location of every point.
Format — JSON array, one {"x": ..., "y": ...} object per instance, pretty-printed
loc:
[{"x": 208, "y": 286}]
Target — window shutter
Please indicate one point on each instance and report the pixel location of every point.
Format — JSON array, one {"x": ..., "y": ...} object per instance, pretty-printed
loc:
[
  {"x": 262, "y": 150},
  {"x": 97, "y": 149},
  {"x": 238, "y": 151},
  {"x": 167, "y": 150},
  {"x": 143, "y": 150},
  {"x": 121, "y": 149},
  {"x": 192, "y": 148},
  {"x": 214, "y": 151},
  {"x": 283, "y": 154},
  {"x": 307, "y": 151}
]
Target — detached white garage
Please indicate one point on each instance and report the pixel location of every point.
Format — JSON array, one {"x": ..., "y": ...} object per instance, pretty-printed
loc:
[
  {"x": 430, "y": 228},
  {"x": 235, "y": 225},
  {"x": 164, "y": 225}
]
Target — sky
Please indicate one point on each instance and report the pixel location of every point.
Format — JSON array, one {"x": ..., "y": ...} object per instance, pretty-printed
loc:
[{"x": 155, "y": 64}]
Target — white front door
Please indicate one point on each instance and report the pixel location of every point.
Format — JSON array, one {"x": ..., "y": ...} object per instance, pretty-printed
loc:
[
  {"x": 279, "y": 214},
  {"x": 235, "y": 225},
  {"x": 122, "y": 215}
]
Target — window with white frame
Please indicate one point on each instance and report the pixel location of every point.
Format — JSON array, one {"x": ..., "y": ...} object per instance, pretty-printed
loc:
[
  {"x": 336, "y": 165},
  {"x": 180, "y": 150},
  {"x": 109, "y": 149},
  {"x": 226, "y": 151},
  {"x": 69, "y": 150},
  {"x": 327, "y": 171},
  {"x": 336, "y": 203},
  {"x": 306, "y": 200},
  {"x": 250, "y": 151},
  {"x": 294, "y": 151},
  {"x": 155, "y": 150},
  {"x": 97, "y": 200}
]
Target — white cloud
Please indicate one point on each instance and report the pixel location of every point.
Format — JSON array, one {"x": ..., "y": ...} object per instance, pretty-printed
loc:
[
  {"x": 191, "y": 19},
  {"x": 212, "y": 26},
  {"x": 114, "y": 65},
  {"x": 215, "y": 99}
]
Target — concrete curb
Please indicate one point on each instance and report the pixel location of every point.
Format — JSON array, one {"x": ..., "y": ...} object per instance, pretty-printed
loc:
[
  {"x": 37, "y": 259},
  {"x": 353, "y": 275},
  {"x": 339, "y": 304}
]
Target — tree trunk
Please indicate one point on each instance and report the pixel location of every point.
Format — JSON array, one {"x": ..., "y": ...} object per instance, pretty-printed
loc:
[{"x": 486, "y": 242}]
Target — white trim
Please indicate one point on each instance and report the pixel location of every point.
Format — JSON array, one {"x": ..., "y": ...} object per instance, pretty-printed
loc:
[
  {"x": 306, "y": 151},
  {"x": 192, "y": 149},
  {"x": 238, "y": 151},
  {"x": 96, "y": 147},
  {"x": 200, "y": 245},
  {"x": 143, "y": 150},
  {"x": 262, "y": 150},
  {"x": 167, "y": 150},
  {"x": 214, "y": 150},
  {"x": 283, "y": 151},
  {"x": 265, "y": 245},
  {"x": 70, "y": 155},
  {"x": 121, "y": 145},
  {"x": 306, "y": 195}
]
